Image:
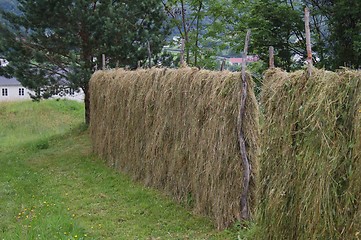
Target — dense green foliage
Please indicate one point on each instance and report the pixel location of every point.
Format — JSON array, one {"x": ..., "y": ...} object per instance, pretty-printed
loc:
[
  {"x": 55, "y": 41},
  {"x": 218, "y": 27},
  {"x": 340, "y": 35}
]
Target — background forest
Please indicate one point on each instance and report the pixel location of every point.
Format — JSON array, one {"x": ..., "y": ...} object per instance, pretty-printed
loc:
[{"x": 48, "y": 40}]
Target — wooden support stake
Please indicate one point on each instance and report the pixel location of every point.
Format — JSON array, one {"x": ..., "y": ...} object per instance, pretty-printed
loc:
[
  {"x": 308, "y": 41},
  {"x": 271, "y": 57},
  {"x": 103, "y": 61},
  {"x": 149, "y": 56},
  {"x": 242, "y": 143},
  {"x": 182, "y": 53},
  {"x": 223, "y": 64}
]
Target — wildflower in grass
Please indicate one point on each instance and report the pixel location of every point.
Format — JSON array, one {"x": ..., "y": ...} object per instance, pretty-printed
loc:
[{"x": 76, "y": 236}]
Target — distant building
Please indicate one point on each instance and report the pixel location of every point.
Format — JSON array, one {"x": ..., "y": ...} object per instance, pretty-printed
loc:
[
  {"x": 239, "y": 61},
  {"x": 12, "y": 90},
  {"x": 3, "y": 62}
]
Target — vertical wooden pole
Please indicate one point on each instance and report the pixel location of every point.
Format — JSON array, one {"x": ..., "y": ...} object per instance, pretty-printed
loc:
[
  {"x": 223, "y": 63},
  {"x": 242, "y": 142},
  {"x": 271, "y": 57},
  {"x": 182, "y": 53},
  {"x": 308, "y": 41},
  {"x": 244, "y": 55},
  {"x": 149, "y": 56},
  {"x": 103, "y": 61}
]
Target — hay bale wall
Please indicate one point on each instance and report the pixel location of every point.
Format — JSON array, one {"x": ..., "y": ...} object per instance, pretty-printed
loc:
[
  {"x": 311, "y": 159},
  {"x": 177, "y": 130}
]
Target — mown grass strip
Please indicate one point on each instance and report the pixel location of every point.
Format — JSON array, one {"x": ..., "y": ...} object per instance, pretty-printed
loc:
[{"x": 52, "y": 187}]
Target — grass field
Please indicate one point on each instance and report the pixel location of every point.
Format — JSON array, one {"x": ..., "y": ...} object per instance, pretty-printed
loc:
[{"x": 52, "y": 187}]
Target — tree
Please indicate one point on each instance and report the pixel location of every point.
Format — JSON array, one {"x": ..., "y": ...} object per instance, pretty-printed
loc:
[
  {"x": 52, "y": 41},
  {"x": 273, "y": 23},
  {"x": 340, "y": 40},
  {"x": 186, "y": 16}
]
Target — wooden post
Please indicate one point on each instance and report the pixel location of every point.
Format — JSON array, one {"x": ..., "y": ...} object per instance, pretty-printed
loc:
[
  {"x": 271, "y": 57},
  {"x": 308, "y": 41},
  {"x": 103, "y": 61},
  {"x": 182, "y": 53},
  {"x": 242, "y": 142},
  {"x": 223, "y": 64},
  {"x": 149, "y": 56}
]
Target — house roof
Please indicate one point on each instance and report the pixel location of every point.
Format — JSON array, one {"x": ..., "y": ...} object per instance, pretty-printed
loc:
[
  {"x": 9, "y": 81},
  {"x": 249, "y": 58},
  {"x": 236, "y": 60}
]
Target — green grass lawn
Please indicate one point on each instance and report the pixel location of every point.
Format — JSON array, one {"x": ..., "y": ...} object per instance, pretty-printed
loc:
[{"x": 52, "y": 187}]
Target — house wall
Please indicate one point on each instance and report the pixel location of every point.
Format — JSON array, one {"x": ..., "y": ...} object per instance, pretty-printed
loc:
[
  {"x": 74, "y": 95},
  {"x": 13, "y": 93}
]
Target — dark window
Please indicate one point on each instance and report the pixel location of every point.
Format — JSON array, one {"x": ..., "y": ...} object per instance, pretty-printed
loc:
[
  {"x": 69, "y": 91},
  {"x": 4, "y": 91},
  {"x": 21, "y": 91}
]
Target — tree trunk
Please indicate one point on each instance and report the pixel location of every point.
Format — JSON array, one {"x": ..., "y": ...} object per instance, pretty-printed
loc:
[
  {"x": 185, "y": 30},
  {"x": 197, "y": 34},
  {"x": 87, "y": 104}
]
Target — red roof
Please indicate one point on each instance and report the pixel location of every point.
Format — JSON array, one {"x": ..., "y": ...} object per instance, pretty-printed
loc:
[
  {"x": 236, "y": 60},
  {"x": 249, "y": 58}
]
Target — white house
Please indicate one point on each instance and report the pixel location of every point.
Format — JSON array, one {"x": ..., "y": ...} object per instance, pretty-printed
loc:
[
  {"x": 12, "y": 90},
  {"x": 70, "y": 94}
]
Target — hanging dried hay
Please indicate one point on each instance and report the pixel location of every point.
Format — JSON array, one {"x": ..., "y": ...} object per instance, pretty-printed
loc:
[
  {"x": 311, "y": 160},
  {"x": 177, "y": 130}
]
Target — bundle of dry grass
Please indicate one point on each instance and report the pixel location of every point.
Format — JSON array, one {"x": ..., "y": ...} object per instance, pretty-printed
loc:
[
  {"x": 311, "y": 161},
  {"x": 177, "y": 130}
]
